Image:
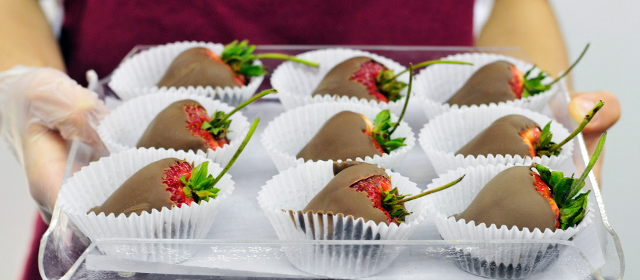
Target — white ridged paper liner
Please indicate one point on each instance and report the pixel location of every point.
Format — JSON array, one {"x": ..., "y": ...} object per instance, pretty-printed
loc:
[
  {"x": 288, "y": 133},
  {"x": 122, "y": 129},
  {"x": 447, "y": 133},
  {"x": 296, "y": 82},
  {"x": 94, "y": 183},
  {"x": 437, "y": 83},
  {"x": 139, "y": 75},
  {"x": 284, "y": 197},
  {"x": 457, "y": 198}
]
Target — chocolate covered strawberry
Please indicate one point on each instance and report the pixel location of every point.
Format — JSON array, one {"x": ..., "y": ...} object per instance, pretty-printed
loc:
[
  {"x": 200, "y": 66},
  {"x": 518, "y": 135},
  {"x": 365, "y": 78},
  {"x": 363, "y": 190},
  {"x": 349, "y": 135},
  {"x": 166, "y": 183},
  {"x": 186, "y": 125},
  {"x": 531, "y": 197},
  {"x": 501, "y": 81}
]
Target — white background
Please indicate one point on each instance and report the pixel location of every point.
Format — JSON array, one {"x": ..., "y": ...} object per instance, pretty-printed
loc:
[{"x": 612, "y": 64}]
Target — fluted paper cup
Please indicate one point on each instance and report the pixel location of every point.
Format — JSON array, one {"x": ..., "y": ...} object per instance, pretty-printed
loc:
[
  {"x": 284, "y": 197},
  {"x": 499, "y": 258},
  {"x": 139, "y": 75},
  {"x": 288, "y": 133},
  {"x": 122, "y": 129},
  {"x": 437, "y": 83},
  {"x": 94, "y": 183},
  {"x": 442, "y": 137},
  {"x": 295, "y": 83}
]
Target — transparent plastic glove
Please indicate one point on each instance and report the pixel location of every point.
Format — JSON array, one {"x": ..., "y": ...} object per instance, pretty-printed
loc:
[{"x": 41, "y": 110}]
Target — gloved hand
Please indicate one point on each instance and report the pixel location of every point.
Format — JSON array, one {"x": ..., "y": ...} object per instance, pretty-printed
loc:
[{"x": 41, "y": 110}]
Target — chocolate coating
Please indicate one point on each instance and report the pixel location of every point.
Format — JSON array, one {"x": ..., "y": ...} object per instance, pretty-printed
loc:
[
  {"x": 510, "y": 199},
  {"x": 169, "y": 130},
  {"x": 490, "y": 84},
  {"x": 337, "y": 82},
  {"x": 195, "y": 67},
  {"x": 142, "y": 192},
  {"x": 500, "y": 138},
  {"x": 337, "y": 197},
  {"x": 341, "y": 137}
]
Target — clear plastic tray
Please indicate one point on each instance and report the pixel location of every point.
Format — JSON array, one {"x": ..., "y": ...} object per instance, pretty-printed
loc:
[{"x": 243, "y": 243}]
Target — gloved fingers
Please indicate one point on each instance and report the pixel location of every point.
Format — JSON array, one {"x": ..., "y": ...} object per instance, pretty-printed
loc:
[
  {"x": 45, "y": 163},
  {"x": 59, "y": 103}
]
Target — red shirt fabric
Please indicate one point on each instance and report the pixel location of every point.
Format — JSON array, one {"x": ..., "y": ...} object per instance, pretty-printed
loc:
[{"x": 97, "y": 34}]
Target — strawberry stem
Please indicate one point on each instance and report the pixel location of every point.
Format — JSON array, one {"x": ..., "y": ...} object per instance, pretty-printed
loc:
[
  {"x": 429, "y": 191},
  {"x": 235, "y": 156},
  {"x": 587, "y": 119},
  {"x": 592, "y": 161},
  {"x": 406, "y": 102},
  {"x": 280, "y": 56},
  {"x": 431, "y": 62},
  {"x": 570, "y": 67},
  {"x": 244, "y": 104}
]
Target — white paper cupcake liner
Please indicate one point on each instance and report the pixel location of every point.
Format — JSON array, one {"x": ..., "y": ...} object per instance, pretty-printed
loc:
[
  {"x": 94, "y": 183},
  {"x": 122, "y": 129},
  {"x": 437, "y": 83},
  {"x": 139, "y": 75},
  {"x": 288, "y": 133},
  {"x": 529, "y": 258},
  {"x": 447, "y": 133},
  {"x": 295, "y": 82},
  {"x": 283, "y": 198}
]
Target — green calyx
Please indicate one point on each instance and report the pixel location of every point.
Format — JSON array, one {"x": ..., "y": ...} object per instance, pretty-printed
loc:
[
  {"x": 383, "y": 127},
  {"x": 219, "y": 124},
  {"x": 534, "y": 85},
  {"x": 547, "y": 148},
  {"x": 200, "y": 185},
  {"x": 388, "y": 84},
  {"x": 239, "y": 56},
  {"x": 394, "y": 203},
  {"x": 565, "y": 190},
  {"x": 381, "y": 132}
]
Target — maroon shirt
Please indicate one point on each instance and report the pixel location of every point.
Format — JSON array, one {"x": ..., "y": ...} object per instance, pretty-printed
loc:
[{"x": 97, "y": 34}]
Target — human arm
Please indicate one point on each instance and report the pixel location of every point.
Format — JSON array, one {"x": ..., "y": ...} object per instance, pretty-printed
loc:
[
  {"x": 41, "y": 108},
  {"x": 531, "y": 26}
]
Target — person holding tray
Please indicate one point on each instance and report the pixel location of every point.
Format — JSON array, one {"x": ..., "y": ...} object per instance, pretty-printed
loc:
[{"x": 42, "y": 107}]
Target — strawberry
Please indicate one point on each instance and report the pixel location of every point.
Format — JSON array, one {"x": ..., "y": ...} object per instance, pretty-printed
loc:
[
  {"x": 364, "y": 190},
  {"x": 518, "y": 135},
  {"x": 520, "y": 197},
  {"x": 185, "y": 125},
  {"x": 201, "y": 67},
  {"x": 501, "y": 81},
  {"x": 348, "y": 135},
  {"x": 366, "y": 78},
  {"x": 166, "y": 183}
]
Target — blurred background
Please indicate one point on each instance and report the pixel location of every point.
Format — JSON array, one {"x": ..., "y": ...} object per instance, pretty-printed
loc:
[{"x": 611, "y": 64}]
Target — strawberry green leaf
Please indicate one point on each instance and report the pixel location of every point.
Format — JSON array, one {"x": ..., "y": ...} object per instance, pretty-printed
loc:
[
  {"x": 535, "y": 86},
  {"x": 200, "y": 185},
  {"x": 564, "y": 192},
  {"x": 388, "y": 85},
  {"x": 239, "y": 56}
]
